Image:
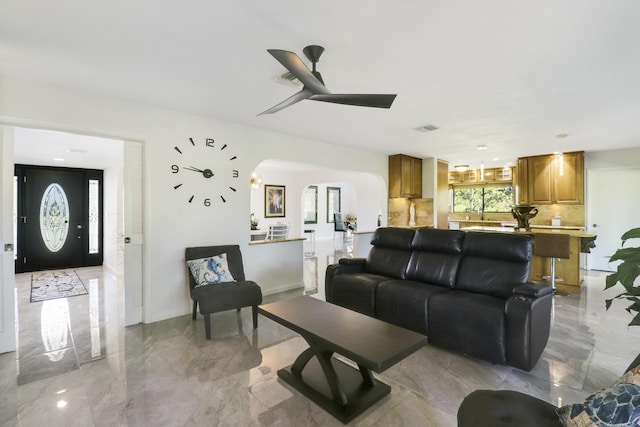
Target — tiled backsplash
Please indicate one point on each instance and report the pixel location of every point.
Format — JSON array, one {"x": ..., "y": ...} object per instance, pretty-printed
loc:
[
  {"x": 569, "y": 215},
  {"x": 399, "y": 212}
]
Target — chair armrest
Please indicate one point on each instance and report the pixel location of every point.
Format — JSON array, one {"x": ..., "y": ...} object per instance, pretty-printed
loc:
[{"x": 533, "y": 289}]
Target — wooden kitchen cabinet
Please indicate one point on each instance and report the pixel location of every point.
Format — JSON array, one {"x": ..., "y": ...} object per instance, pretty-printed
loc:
[
  {"x": 522, "y": 182},
  {"x": 405, "y": 176},
  {"x": 474, "y": 176},
  {"x": 554, "y": 178}
]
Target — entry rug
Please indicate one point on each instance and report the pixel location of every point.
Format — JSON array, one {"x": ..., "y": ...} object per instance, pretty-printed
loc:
[{"x": 47, "y": 285}]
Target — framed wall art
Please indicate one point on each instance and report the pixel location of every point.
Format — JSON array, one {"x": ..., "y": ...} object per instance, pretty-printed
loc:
[{"x": 274, "y": 201}]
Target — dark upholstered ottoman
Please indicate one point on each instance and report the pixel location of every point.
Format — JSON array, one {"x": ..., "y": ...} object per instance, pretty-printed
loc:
[{"x": 486, "y": 408}]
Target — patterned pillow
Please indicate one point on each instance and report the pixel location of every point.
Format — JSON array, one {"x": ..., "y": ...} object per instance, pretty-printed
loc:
[
  {"x": 209, "y": 271},
  {"x": 618, "y": 405}
]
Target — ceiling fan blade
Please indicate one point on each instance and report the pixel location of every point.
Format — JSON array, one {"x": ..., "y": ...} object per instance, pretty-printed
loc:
[
  {"x": 294, "y": 64},
  {"x": 362, "y": 100},
  {"x": 296, "y": 97}
]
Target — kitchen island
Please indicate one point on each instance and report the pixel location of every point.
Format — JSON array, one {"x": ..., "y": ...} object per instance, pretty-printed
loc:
[{"x": 566, "y": 269}]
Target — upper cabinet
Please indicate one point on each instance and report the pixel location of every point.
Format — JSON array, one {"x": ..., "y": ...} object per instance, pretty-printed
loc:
[
  {"x": 475, "y": 176},
  {"x": 405, "y": 176},
  {"x": 554, "y": 178}
]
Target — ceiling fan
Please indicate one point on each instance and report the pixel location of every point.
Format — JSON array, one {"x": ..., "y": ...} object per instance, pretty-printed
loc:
[{"x": 314, "y": 88}]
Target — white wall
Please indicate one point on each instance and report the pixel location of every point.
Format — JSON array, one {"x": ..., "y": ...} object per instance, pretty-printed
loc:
[
  {"x": 171, "y": 224},
  {"x": 7, "y": 263},
  {"x": 612, "y": 158}
]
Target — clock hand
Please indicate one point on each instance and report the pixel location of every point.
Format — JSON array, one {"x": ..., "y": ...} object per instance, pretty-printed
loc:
[
  {"x": 191, "y": 168},
  {"x": 207, "y": 173}
]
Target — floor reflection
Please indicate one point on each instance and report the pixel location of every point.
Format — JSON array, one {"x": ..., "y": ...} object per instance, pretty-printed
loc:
[
  {"x": 54, "y": 328},
  {"x": 59, "y": 335},
  {"x": 167, "y": 373}
]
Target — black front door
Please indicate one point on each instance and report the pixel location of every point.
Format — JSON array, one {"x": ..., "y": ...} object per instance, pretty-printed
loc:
[{"x": 57, "y": 224}]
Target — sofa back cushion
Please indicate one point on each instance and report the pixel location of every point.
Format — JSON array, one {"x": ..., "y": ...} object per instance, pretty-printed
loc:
[
  {"x": 390, "y": 252},
  {"x": 436, "y": 256},
  {"x": 494, "y": 263}
]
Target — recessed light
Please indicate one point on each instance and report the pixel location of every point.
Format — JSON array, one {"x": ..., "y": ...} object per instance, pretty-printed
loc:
[
  {"x": 482, "y": 147},
  {"x": 561, "y": 136},
  {"x": 495, "y": 159},
  {"x": 58, "y": 159},
  {"x": 77, "y": 151}
]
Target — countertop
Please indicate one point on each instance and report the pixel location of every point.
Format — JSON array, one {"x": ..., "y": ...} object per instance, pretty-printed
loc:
[
  {"x": 515, "y": 224},
  {"x": 534, "y": 230}
]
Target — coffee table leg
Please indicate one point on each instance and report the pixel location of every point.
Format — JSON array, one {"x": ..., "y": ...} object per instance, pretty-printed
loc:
[
  {"x": 301, "y": 362},
  {"x": 324, "y": 358},
  {"x": 367, "y": 375}
]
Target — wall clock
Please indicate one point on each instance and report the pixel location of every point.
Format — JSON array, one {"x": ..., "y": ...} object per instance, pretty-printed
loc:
[{"x": 205, "y": 172}]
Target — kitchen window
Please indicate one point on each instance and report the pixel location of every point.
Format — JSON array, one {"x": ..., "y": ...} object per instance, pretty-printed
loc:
[{"x": 492, "y": 198}]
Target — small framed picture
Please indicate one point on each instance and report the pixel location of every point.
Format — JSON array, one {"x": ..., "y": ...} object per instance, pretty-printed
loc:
[{"x": 274, "y": 201}]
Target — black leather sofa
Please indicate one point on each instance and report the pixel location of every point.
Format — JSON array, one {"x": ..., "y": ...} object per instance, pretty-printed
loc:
[{"x": 467, "y": 291}]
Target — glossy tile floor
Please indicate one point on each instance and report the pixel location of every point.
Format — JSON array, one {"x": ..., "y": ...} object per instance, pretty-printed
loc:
[{"x": 99, "y": 373}]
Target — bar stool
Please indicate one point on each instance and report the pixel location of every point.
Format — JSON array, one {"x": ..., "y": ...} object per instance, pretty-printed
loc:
[
  {"x": 312, "y": 242},
  {"x": 552, "y": 246}
]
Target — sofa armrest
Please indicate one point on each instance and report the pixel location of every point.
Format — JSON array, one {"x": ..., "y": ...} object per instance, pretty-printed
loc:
[
  {"x": 528, "y": 323},
  {"x": 352, "y": 261},
  {"x": 533, "y": 289},
  {"x": 344, "y": 266}
]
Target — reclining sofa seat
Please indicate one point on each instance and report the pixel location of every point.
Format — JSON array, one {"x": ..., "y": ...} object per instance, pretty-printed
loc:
[
  {"x": 468, "y": 292},
  {"x": 482, "y": 317},
  {"x": 353, "y": 282}
]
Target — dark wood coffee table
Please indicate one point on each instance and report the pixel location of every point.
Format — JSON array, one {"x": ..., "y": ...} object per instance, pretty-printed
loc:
[{"x": 374, "y": 345}]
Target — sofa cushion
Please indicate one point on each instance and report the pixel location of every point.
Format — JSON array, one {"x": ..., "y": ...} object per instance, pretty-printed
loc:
[
  {"x": 494, "y": 263},
  {"x": 470, "y": 323},
  {"x": 404, "y": 303},
  {"x": 356, "y": 291},
  {"x": 438, "y": 240},
  {"x": 390, "y": 253},
  {"x": 436, "y": 256}
]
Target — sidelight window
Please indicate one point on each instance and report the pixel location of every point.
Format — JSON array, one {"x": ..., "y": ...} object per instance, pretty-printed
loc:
[{"x": 94, "y": 215}]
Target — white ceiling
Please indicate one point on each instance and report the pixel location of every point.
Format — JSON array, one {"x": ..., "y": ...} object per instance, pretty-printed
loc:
[{"x": 507, "y": 74}]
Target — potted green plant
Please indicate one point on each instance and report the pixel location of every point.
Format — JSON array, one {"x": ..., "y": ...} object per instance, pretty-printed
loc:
[{"x": 627, "y": 275}]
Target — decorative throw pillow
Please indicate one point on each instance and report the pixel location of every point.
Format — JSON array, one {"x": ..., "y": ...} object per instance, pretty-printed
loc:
[
  {"x": 211, "y": 270},
  {"x": 615, "y": 406}
]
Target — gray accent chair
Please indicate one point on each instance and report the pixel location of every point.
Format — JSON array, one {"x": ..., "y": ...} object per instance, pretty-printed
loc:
[{"x": 226, "y": 295}]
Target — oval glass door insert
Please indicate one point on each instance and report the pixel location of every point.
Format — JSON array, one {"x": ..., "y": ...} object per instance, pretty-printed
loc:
[{"x": 54, "y": 217}]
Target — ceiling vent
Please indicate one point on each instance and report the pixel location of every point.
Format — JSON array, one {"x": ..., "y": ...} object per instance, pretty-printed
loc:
[
  {"x": 426, "y": 128},
  {"x": 289, "y": 80}
]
